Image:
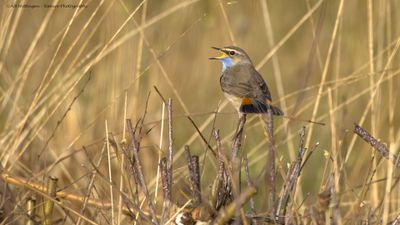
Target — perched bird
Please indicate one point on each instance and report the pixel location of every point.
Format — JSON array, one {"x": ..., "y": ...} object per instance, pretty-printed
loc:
[{"x": 242, "y": 84}]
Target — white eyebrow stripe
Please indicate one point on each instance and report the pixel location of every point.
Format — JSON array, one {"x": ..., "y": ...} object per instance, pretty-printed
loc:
[{"x": 231, "y": 49}]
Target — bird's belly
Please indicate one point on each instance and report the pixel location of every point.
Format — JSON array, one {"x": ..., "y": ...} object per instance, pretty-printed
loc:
[{"x": 236, "y": 101}]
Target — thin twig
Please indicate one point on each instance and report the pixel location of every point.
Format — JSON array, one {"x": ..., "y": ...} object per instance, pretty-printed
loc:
[
  {"x": 110, "y": 175},
  {"x": 308, "y": 155},
  {"x": 201, "y": 135},
  {"x": 293, "y": 174},
  {"x": 250, "y": 183},
  {"x": 194, "y": 176},
  {"x": 270, "y": 179},
  {"x": 396, "y": 221},
  {"x": 377, "y": 145},
  {"x": 232, "y": 208},
  {"x": 237, "y": 140},
  {"x": 167, "y": 189},
  {"x": 140, "y": 172},
  {"x": 234, "y": 169},
  {"x": 221, "y": 193},
  {"x": 141, "y": 122},
  {"x": 164, "y": 179},
  {"x": 159, "y": 94},
  {"x": 170, "y": 157},
  {"x": 65, "y": 114},
  {"x": 92, "y": 178},
  {"x": 135, "y": 176}
]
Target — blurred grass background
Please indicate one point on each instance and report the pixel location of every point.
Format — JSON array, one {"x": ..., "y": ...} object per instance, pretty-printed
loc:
[{"x": 128, "y": 47}]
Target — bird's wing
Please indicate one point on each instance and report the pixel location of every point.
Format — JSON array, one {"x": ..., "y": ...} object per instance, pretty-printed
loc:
[
  {"x": 235, "y": 82},
  {"x": 245, "y": 81},
  {"x": 262, "y": 86}
]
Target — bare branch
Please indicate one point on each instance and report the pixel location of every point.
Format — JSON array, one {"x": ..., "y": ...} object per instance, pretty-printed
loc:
[
  {"x": 221, "y": 193},
  {"x": 292, "y": 176},
  {"x": 250, "y": 183},
  {"x": 171, "y": 142},
  {"x": 270, "y": 165},
  {"x": 140, "y": 172},
  {"x": 164, "y": 179},
  {"x": 237, "y": 140},
  {"x": 201, "y": 135},
  {"x": 194, "y": 175}
]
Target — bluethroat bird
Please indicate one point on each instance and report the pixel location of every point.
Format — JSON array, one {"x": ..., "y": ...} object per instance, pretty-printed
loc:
[{"x": 242, "y": 84}]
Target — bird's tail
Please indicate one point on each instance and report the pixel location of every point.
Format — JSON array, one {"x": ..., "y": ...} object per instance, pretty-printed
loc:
[
  {"x": 256, "y": 107},
  {"x": 276, "y": 111}
]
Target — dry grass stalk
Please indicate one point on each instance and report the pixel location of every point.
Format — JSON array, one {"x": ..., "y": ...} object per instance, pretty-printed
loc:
[
  {"x": 48, "y": 204},
  {"x": 7, "y": 202},
  {"x": 31, "y": 211},
  {"x": 326, "y": 68},
  {"x": 33, "y": 104},
  {"x": 59, "y": 122},
  {"x": 227, "y": 24},
  {"x": 40, "y": 189},
  {"x": 336, "y": 216},
  {"x": 110, "y": 174},
  {"x": 277, "y": 71},
  {"x": 121, "y": 159}
]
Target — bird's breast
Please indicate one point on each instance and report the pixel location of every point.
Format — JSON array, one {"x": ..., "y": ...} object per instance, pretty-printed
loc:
[{"x": 236, "y": 101}]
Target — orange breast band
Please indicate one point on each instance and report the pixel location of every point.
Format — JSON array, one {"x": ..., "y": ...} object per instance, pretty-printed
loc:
[{"x": 247, "y": 101}]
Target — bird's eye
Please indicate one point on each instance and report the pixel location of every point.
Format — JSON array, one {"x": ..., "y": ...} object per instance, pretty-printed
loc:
[{"x": 232, "y": 53}]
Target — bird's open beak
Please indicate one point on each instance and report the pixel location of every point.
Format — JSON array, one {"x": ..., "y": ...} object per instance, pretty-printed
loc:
[{"x": 224, "y": 55}]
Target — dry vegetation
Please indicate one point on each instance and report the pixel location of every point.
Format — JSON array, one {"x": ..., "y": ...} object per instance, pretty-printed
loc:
[{"x": 112, "y": 114}]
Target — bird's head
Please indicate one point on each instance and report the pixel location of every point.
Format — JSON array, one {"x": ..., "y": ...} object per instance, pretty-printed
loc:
[{"x": 231, "y": 56}]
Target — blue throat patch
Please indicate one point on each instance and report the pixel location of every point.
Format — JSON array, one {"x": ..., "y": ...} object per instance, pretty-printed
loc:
[{"x": 226, "y": 62}]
